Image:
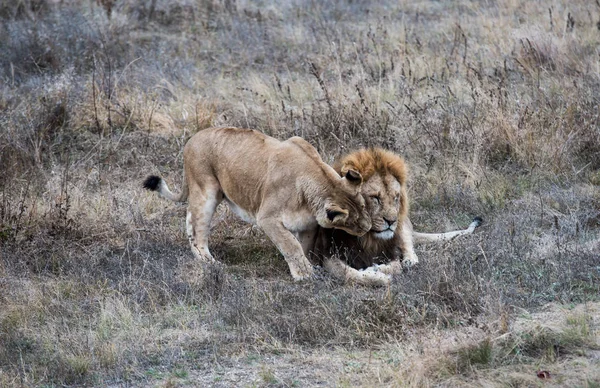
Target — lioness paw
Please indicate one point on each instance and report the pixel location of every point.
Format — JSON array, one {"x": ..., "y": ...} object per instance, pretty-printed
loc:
[
  {"x": 300, "y": 274},
  {"x": 301, "y": 278}
]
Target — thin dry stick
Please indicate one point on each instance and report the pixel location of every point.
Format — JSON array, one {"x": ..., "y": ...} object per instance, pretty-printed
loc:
[
  {"x": 110, "y": 92},
  {"x": 94, "y": 97}
]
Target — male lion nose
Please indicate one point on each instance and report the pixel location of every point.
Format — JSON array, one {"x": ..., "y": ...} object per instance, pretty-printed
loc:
[{"x": 390, "y": 222}]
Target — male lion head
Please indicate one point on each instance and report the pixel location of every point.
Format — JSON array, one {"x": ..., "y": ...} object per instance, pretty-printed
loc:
[
  {"x": 346, "y": 208},
  {"x": 384, "y": 189}
]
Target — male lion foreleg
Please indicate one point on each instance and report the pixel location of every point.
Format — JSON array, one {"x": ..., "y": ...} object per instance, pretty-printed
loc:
[
  {"x": 289, "y": 247},
  {"x": 392, "y": 268},
  {"x": 409, "y": 257},
  {"x": 367, "y": 277}
]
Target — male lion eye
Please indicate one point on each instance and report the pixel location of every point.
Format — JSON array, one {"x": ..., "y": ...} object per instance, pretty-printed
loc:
[{"x": 376, "y": 199}]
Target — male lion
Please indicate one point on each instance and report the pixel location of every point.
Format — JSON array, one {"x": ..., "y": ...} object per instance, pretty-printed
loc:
[
  {"x": 282, "y": 186},
  {"x": 372, "y": 259}
]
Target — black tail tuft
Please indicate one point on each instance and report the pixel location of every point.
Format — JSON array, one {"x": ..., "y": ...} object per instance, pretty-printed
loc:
[
  {"x": 478, "y": 220},
  {"x": 152, "y": 182}
]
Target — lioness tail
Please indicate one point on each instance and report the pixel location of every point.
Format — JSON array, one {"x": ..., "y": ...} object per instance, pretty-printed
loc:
[{"x": 156, "y": 183}]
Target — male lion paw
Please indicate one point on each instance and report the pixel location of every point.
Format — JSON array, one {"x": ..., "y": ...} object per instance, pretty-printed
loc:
[
  {"x": 371, "y": 276},
  {"x": 393, "y": 268},
  {"x": 410, "y": 259},
  {"x": 373, "y": 268}
]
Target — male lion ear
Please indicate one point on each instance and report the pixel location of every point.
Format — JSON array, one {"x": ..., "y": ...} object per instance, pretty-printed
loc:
[
  {"x": 353, "y": 176},
  {"x": 332, "y": 214}
]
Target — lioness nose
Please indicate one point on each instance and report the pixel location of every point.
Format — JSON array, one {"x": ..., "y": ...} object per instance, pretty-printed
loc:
[{"x": 390, "y": 222}]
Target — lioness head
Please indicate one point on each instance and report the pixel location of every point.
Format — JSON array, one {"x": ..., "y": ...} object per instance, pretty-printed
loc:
[
  {"x": 346, "y": 208},
  {"x": 384, "y": 188}
]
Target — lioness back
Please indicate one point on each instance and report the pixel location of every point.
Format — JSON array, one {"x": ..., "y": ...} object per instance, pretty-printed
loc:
[
  {"x": 245, "y": 163},
  {"x": 237, "y": 158}
]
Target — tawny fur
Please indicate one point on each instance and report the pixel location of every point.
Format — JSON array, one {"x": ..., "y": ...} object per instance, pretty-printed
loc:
[
  {"x": 379, "y": 168},
  {"x": 282, "y": 186}
]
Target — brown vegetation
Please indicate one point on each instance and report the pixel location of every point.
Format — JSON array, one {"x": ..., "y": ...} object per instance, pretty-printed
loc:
[{"x": 494, "y": 106}]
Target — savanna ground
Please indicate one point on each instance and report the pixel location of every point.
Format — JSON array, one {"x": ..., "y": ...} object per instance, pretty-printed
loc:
[{"x": 494, "y": 104}]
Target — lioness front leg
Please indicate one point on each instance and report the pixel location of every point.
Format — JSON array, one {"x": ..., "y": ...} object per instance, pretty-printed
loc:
[
  {"x": 289, "y": 247},
  {"x": 307, "y": 240}
]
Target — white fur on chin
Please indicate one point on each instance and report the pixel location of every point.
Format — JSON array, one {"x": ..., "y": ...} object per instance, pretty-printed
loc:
[{"x": 385, "y": 235}]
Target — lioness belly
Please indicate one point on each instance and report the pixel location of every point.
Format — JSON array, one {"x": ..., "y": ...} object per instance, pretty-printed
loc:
[
  {"x": 299, "y": 221},
  {"x": 243, "y": 214}
]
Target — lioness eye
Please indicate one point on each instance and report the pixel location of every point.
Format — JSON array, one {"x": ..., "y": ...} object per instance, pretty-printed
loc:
[{"x": 396, "y": 198}]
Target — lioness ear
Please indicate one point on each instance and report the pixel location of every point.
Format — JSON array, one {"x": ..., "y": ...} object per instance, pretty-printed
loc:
[
  {"x": 354, "y": 176},
  {"x": 333, "y": 214}
]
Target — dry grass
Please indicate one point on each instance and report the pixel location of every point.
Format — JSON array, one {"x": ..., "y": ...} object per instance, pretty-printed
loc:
[{"x": 493, "y": 104}]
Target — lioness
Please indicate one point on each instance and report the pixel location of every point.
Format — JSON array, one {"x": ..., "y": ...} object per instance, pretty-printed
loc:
[
  {"x": 282, "y": 186},
  {"x": 374, "y": 257}
]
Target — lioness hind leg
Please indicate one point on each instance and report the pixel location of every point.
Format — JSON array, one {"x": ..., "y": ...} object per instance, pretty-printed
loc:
[
  {"x": 289, "y": 247},
  {"x": 196, "y": 250},
  {"x": 200, "y": 212}
]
